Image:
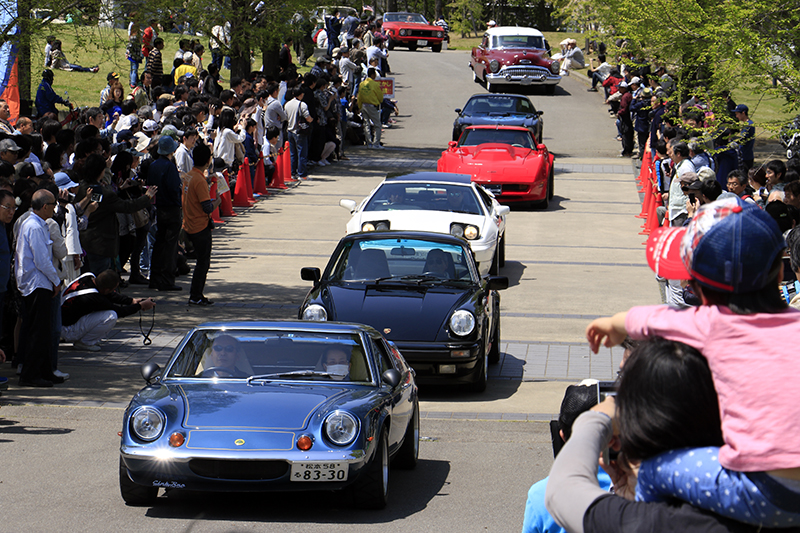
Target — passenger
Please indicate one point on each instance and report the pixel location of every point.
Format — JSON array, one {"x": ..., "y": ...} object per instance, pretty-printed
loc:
[
  {"x": 731, "y": 253},
  {"x": 336, "y": 361},
  {"x": 436, "y": 264}
]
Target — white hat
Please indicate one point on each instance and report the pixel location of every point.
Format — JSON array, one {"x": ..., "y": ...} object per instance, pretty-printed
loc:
[
  {"x": 150, "y": 125},
  {"x": 187, "y": 56},
  {"x": 491, "y": 24},
  {"x": 622, "y": 84},
  {"x": 636, "y": 80},
  {"x": 565, "y": 42}
]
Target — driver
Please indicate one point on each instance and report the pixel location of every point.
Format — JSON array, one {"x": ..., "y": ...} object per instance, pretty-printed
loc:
[
  {"x": 397, "y": 197},
  {"x": 455, "y": 200},
  {"x": 436, "y": 264},
  {"x": 336, "y": 361},
  {"x": 222, "y": 359}
]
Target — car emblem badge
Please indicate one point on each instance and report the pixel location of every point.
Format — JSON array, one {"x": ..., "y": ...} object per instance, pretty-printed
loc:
[
  {"x": 239, "y": 442},
  {"x": 386, "y": 331}
]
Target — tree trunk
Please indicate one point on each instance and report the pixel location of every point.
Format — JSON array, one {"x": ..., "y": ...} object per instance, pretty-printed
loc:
[
  {"x": 391, "y": 5},
  {"x": 439, "y": 12},
  {"x": 270, "y": 60}
]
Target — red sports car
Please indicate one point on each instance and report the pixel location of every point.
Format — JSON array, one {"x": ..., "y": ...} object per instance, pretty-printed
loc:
[
  {"x": 505, "y": 160},
  {"x": 411, "y": 30}
]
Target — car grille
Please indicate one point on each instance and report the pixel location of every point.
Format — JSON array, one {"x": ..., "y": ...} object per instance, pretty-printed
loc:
[
  {"x": 524, "y": 71},
  {"x": 244, "y": 470},
  {"x": 420, "y": 33},
  {"x": 515, "y": 187}
]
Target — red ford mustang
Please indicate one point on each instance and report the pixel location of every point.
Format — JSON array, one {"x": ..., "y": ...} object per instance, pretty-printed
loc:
[
  {"x": 411, "y": 30},
  {"x": 505, "y": 160}
]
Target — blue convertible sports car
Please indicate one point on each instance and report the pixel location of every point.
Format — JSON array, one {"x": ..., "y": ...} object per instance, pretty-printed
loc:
[
  {"x": 421, "y": 290},
  {"x": 260, "y": 406}
]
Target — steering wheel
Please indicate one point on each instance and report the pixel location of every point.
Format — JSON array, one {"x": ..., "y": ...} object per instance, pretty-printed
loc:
[
  {"x": 439, "y": 275},
  {"x": 215, "y": 371},
  {"x": 517, "y": 145}
]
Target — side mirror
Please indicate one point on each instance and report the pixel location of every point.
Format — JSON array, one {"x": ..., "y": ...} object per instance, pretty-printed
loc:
[
  {"x": 502, "y": 210},
  {"x": 149, "y": 370},
  {"x": 350, "y": 205},
  {"x": 497, "y": 283},
  {"x": 458, "y": 110},
  {"x": 310, "y": 274},
  {"x": 540, "y": 113},
  {"x": 452, "y": 145},
  {"x": 391, "y": 377}
]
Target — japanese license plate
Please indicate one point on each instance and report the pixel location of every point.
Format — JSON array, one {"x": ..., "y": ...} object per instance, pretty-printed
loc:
[
  {"x": 422, "y": 43},
  {"x": 319, "y": 471}
]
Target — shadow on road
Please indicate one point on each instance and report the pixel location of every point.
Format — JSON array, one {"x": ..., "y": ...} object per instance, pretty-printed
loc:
[
  {"x": 409, "y": 493},
  {"x": 11, "y": 427},
  {"x": 513, "y": 270},
  {"x": 496, "y": 389}
]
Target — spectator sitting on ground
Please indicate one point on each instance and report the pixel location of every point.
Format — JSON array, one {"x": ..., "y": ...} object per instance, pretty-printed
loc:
[
  {"x": 46, "y": 97},
  {"x": 572, "y": 58},
  {"x": 91, "y": 306},
  {"x": 59, "y": 60},
  {"x": 599, "y": 73}
]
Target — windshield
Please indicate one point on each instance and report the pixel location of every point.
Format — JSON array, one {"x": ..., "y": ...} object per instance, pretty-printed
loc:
[
  {"x": 518, "y": 138},
  {"x": 485, "y": 105},
  {"x": 424, "y": 196},
  {"x": 517, "y": 41},
  {"x": 409, "y": 261},
  {"x": 240, "y": 354},
  {"x": 404, "y": 17}
]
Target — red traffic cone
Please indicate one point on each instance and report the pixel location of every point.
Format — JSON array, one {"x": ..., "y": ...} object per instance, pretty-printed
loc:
[
  {"x": 213, "y": 194},
  {"x": 277, "y": 176},
  {"x": 248, "y": 180},
  {"x": 287, "y": 164},
  {"x": 226, "y": 207},
  {"x": 240, "y": 196},
  {"x": 260, "y": 182}
]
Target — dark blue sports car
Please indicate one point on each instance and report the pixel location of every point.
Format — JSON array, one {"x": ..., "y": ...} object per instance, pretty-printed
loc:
[
  {"x": 502, "y": 110},
  {"x": 421, "y": 290},
  {"x": 260, "y": 406}
]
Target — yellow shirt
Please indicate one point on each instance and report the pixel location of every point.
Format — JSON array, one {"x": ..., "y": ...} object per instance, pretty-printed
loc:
[
  {"x": 370, "y": 92},
  {"x": 182, "y": 70}
]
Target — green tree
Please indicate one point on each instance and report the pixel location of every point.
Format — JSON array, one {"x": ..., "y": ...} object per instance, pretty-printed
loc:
[{"x": 466, "y": 16}]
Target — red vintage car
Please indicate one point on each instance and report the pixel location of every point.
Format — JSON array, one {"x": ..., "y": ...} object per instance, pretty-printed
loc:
[
  {"x": 506, "y": 161},
  {"x": 411, "y": 30},
  {"x": 509, "y": 55}
]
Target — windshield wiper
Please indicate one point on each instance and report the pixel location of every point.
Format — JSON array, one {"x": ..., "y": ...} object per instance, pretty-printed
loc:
[{"x": 293, "y": 374}]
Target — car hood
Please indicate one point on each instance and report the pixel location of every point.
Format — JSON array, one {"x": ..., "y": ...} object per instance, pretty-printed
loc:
[
  {"x": 419, "y": 220},
  {"x": 277, "y": 406},
  {"x": 515, "y": 119},
  {"x": 408, "y": 312}
]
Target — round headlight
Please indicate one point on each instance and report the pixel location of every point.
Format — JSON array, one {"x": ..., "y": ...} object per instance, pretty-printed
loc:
[
  {"x": 382, "y": 226},
  {"x": 555, "y": 67},
  {"x": 367, "y": 226},
  {"x": 471, "y": 233},
  {"x": 341, "y": 428},
  {"x": 494, "y": 65},
  {"x": 462, "y": 322},
  {"x": 456, "y": 230},
  {"x": 440, "y": 34},
  {"x": 315, "y": 312},
  {"x": 147, "y": 423},
  {"x": 402, "y": 32}
]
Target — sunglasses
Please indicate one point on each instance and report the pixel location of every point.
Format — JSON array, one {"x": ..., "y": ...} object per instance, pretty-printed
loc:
[{"x": 227, "y": 349}]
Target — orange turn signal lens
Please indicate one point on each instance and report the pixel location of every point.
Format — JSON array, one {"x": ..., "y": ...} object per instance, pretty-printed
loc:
[
  {"x": 304, "y": 443},
  {"x": 176, "y": 440}
]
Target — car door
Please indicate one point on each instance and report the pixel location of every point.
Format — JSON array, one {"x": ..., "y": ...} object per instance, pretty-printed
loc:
[
  {"x": 402, "y": 400},
  {"x": 480, "y": 60}
]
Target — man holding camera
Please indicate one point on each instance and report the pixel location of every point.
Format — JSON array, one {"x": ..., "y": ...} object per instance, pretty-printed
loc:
[{"x": 91, "y": 306}]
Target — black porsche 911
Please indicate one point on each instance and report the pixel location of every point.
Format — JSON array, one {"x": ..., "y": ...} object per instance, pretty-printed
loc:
[{"x": 423, "y": 292}]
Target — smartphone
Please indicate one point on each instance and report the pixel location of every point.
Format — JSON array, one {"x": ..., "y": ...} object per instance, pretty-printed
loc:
[
  {"x": 97, "y": 197},
  {"x": 691, "y": 198}
]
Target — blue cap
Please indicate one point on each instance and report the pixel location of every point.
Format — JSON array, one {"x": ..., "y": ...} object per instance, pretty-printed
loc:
[{"x": 166, "y": 145}]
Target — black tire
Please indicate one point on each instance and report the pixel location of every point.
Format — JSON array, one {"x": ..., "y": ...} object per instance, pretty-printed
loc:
[
  {"x": 544, "y": 204},
  {"x": 408, "y": 454},
  {"x": 494, "y": 353},
  {"x": 494, "y": 269},
  {"x": 133, "y": 494},
  {"x": 390, "y": 43},
  {"x": 502, "y": 255},
  {"x": 479, "y": 385},
  {"x": 456, "y": 134},
  {"x": 550, "y": 185},
  {"x": 436, "y": 48},
  {"x": 371, "y": 491},
  {"x": 412, "y": 47},
  {"x": 550, "y": 90}
]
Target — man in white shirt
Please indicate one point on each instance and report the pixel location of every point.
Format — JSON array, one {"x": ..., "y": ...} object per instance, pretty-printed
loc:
[
  {"x": 347, "y": 67},
  {"x": 297, "y": 113},
  {"x": 599, "y": 73},
  {"x": 183, "y": 155},
  {"x": 39, "y": 282}
]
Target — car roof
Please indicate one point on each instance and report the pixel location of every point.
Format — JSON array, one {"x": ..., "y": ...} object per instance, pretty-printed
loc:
[
  {"x": 287, "y": 325},
  {"x": 514, "y": 30},
  {"x": 427, "y": 177},
  {"x": 497, "y": 127},
  {"x": 498, "y": 95},
  {"x": 420, "y": 235}
]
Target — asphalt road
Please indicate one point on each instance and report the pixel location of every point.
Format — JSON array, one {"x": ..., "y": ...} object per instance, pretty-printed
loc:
[{"x": 580, "y": 258}]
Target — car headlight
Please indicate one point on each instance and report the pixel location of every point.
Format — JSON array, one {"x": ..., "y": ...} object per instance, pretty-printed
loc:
[
  {"x": 494, "y": 65},
  {"x": 402, "y": 32},
  {"x": 315, "y": 312},
  {"x": 440, "y": 34},
  {"x": 555, "y": 67},
  {"x": 147, "y": 423},
  {"x": 367, "y": 226},
  {"x": 462, "y": 323},
  {"x": 468, "y": 231},
  {"x": 341, "y": 428}
]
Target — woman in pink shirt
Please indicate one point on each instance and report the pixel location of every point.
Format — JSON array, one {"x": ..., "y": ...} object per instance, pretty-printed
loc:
[{"x": 731, "y": 253}]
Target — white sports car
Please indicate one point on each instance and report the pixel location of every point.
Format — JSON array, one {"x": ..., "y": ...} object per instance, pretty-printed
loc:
[{"x": 439, "y": 202}]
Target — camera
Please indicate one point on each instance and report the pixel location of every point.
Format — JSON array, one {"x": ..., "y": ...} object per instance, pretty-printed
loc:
[
  {"x": 97, "y": 194},
  {"x": 604, "y": 390}
]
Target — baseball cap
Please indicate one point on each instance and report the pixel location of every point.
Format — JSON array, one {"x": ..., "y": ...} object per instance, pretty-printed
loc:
[
  {"x": 187, "y": 56},
  {"x": 171, "y": 131},
  {"x": 729, "y": 246},
  {"x": 112, "y": 76},
  {"x": 741, "y": 108},
  {"x": 150, "y": 125},
  {"x": 636, "y": 80},
  {"x": 491, "y": 23},
  {"x": 167, "y": 145},
  {"x": 7, "y": 145},
  {"x": 623, "y": 84}
]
